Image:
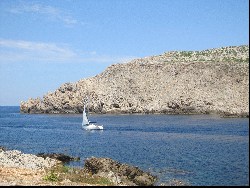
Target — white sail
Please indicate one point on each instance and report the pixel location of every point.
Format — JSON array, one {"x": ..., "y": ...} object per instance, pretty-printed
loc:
[
  {"x": 85, "y": 120},
  {"x": 86, "y": 124}
]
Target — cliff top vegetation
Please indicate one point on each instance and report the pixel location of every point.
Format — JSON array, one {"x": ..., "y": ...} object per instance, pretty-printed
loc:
[{"x": 223, "y": 54}]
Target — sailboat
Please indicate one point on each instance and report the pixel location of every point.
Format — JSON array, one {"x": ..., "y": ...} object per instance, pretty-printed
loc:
[{"x": 89, "y": 125}]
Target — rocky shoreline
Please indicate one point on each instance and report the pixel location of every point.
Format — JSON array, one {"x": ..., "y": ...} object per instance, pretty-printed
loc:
[
  {"x": 212, "y": 81},
  {"x": 17, "y": 168},
  {"x": 15, "y": 158}
]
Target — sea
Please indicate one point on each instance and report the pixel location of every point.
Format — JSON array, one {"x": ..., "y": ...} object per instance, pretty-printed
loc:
[{"x": 199, "y": 150}]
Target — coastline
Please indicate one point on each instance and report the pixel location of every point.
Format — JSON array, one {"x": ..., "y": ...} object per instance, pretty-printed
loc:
[
  {"x": 21, "y": 169},
  {"x": 220, "y": 114}
]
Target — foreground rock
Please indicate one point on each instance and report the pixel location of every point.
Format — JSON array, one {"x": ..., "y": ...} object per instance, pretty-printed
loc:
[
  {"x": 120, "y": 174},
  {"x": 189, "y": 82},
  {"x": 15, "y": 158},
  {"x": 17, "y": 168}
]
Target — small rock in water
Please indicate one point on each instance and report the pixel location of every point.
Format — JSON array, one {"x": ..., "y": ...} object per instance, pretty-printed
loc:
[
  {"x": 59, "y": 156},
  {"x": 2, "y": 148}
]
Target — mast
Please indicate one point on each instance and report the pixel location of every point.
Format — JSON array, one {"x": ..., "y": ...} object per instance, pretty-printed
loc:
[{"x": 87, "y": 103}]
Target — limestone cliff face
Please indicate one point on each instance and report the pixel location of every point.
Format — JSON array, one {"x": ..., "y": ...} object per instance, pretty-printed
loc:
[{"x": 210, "y": 81}]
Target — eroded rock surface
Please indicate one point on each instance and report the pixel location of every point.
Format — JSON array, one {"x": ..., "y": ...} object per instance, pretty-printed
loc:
[
  {"x": 190, "y": 82},
  {"x": 15, "y": 158},
  {"x": 120, "y": 174}
]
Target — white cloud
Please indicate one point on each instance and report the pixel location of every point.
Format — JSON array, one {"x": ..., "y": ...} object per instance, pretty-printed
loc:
[
  {"x": 28, "y": 51},
  {"x": 34, "y": 46},
  {"x": 19, "y": 50},
  {"x": 52, "y": 13}
]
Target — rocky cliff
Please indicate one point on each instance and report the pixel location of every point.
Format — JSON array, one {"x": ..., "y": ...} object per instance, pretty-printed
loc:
[{"x": 186, "y": 82}]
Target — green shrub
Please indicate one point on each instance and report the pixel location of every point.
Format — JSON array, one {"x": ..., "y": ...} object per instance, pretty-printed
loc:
[
  {"x": 51, "y": 177},
  {"x": 78, "y": 175}
]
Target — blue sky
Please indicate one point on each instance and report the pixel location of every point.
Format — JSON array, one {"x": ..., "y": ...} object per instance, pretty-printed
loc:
[{"x": 46, "y": 43}]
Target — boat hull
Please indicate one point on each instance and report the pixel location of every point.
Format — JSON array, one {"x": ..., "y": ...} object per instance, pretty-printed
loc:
[{"x": 93, "y": 127}]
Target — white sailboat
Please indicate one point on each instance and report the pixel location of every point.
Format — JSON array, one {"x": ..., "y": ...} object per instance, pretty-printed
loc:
[{"x": 86, "y": 124}]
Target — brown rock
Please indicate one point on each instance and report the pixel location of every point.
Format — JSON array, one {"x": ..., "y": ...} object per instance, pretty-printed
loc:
[{"x": 123, "y": 173}]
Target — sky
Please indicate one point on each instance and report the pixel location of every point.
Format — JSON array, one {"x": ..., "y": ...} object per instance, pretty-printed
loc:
[{"x": 46, "y": 43}]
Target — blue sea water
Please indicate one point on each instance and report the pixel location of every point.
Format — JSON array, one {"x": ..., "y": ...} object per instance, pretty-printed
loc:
[{"x": 196, "y": 149}]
